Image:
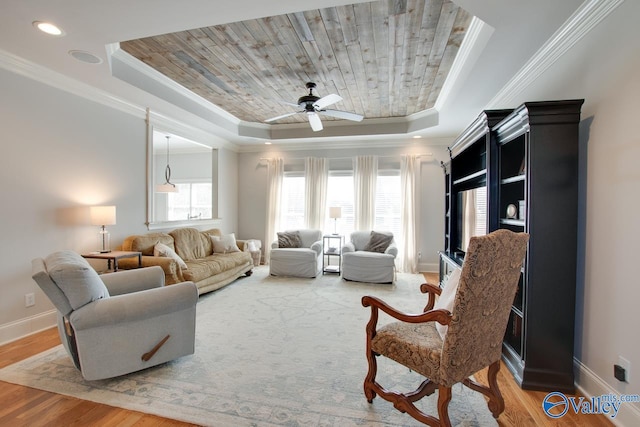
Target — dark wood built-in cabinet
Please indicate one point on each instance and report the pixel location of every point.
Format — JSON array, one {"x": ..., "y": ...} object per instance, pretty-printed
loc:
[{"x": 528, "y": 161}]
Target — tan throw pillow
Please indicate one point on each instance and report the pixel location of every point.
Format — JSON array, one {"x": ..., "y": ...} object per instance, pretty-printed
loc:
[
  {"x": 378, "y": 242},
  {"x": 224, "y": 244},
  {"x": 447, "y": 298},
  {"x": 160, "y": 249},
  {"x": 289, "y": 239}
]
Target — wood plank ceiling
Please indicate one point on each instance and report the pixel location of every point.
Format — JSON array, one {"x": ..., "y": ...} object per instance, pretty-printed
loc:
[{"x": 385, "y": 58}]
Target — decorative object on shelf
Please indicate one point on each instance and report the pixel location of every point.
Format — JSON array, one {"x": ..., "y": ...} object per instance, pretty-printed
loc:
[
  {"x": 523, "y": 167},
  {"x": 168, "y": 186},
  {"x": 103, "y": 216},
  {"x": 512, "y": 211},
  {"x": 335, "y": 212},
  {"x": 521, "y": 209}
]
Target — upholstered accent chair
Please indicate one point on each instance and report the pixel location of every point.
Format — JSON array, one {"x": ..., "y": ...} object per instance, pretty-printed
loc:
[
  {"x": 117, "y": 323},
  {"x": 472, "y": 341},
  {"x": 296, "y": 253},
  {"x": 369, "y": 256}
]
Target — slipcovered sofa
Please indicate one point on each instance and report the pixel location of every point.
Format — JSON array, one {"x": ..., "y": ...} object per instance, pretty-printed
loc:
[
  {"x": 296, "y": 253},
  {"x": 208, "y": 269},
  {"x": 369, "y": 256}
]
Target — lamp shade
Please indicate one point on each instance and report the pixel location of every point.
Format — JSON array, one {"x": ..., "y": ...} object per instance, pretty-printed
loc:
[
  {"x": 335, "y": 212},
  {"x": 103, "y": 215},
  {"x": 166, "y": 188}
]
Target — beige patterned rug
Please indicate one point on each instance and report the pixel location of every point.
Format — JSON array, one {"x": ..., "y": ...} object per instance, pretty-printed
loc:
[{"x": 269, "y": 352}]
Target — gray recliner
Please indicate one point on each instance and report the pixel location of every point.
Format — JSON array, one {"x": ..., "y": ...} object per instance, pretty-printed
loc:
[{"x": 117, "y": 323}]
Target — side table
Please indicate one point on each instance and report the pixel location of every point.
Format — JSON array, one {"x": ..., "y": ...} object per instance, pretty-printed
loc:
[
  {"x": 114, "y": 256},
  {"x": 332, "y": 248}
]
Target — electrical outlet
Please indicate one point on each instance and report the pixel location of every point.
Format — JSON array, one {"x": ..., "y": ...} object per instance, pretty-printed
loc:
[
  {"x": 626, "y": 365},
  {"x": 29, "y": 300}
]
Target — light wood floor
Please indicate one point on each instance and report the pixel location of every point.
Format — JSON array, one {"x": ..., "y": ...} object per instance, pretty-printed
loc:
[{"x": 24, "y": 406}]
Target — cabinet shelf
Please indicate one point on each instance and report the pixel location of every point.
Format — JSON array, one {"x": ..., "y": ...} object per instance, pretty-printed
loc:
[
  {"x": 470, "y": 177},
  {"x": 510, "y": 221},
  {"x": 511, "y": 180}
]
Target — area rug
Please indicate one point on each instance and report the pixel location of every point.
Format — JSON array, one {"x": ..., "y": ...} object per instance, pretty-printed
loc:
[{"x": 269, "y": 352}]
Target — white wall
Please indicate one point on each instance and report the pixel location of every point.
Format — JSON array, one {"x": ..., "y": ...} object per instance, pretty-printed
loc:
[
  {"x": 607, "y": 304},
  {"x": 253, "y": 190},
  {"x": 60, "y": 154}
]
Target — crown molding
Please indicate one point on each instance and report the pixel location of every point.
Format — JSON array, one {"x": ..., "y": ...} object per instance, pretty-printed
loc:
[
  {"x": 583, "y": 20},
  {"x": 115, "y": 52},
  {"x": 59, "y": 81},
  {"x": 33, "y": 71},
  {"x": 473, "y": 44}
]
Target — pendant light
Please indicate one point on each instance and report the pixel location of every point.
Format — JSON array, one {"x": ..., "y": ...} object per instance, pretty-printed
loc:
[{"x": 167, "y": 187}]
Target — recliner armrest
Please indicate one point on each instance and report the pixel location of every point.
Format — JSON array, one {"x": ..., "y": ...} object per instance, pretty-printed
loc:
[
  {"x": 348, "y": 247},
  {"x": 127, "y": 281},
  {"x": 392, "y": 249},
  {"x": 317, "y": 247},
  {"x": 135, "y": 306}
]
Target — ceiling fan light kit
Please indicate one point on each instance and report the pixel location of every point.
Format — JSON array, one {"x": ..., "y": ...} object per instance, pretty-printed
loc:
[{"x": 314, "y": 105}]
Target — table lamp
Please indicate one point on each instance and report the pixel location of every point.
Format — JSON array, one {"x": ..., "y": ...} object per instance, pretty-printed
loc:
[
  {"x": 103, "y": 216},
  {"x": 335, "y": 212}
]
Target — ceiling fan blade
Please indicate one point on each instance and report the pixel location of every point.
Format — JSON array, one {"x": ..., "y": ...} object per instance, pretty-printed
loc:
[
  {"x": 273, "y": 119},
  {"x": 342, "y": 115},
  {"x": 287, "y": 103},
  {"x": 325, "y": 101},
  {"x": 314, "y": 121}
]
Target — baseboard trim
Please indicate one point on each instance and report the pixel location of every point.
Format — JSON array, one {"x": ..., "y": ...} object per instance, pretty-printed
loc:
[
  {"x": 589, "y": 384},
  {"x": 428, "y": 267},
  {"x": 14, "y": 331}
]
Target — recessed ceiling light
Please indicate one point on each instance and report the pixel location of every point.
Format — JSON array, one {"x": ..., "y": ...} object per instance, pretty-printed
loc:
[
  {"x": 416, "y": 137},
  {"x": 85, "y": 56},
  {"x": 49, "y": 28},
  {"x": 267, "y": 143}
]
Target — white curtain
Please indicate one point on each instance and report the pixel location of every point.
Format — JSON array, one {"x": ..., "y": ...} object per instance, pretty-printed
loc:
[
  {"x": 409, "y": 176},
  {"x": 275, "y": 175},
  {"x": 316, "y": 178},
  {"x": 365, "y": 174}
]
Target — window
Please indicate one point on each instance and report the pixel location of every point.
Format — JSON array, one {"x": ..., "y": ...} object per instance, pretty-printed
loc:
[
  {"x": 192, "y": 201},
  {"x": 292, "y": 203},
  {"x": 388, "y": 203},
  {"x": 340, "y": 193}
]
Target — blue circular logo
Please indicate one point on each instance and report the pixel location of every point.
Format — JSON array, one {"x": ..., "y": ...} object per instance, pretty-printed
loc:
[{"x": 555, "y": 405}]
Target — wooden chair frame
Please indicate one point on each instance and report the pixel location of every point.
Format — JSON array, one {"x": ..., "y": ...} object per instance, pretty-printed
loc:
[{"x": 404, "y": 402}]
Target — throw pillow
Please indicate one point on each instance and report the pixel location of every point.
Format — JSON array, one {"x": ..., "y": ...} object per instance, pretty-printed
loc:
[
  {"x": 378, "y": 242},
  {"x": 224, "y": 244},
  {"x": 160, "y": 249},
  {"x": 447, "y": 298},
  {"x": 76, "y": 278},
  {"x": 289, "y": 239}
]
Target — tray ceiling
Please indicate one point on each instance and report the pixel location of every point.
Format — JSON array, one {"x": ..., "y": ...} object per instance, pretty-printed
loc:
[{"x": 386, "y": 58}]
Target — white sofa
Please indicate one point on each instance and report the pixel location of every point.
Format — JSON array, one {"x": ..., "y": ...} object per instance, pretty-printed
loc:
[
  {"x": 361, "y": 265},
  {"x": 302, "y": 261}
]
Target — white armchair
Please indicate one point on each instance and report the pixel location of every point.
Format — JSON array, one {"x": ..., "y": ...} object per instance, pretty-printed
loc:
[
  {"x": 296, "y": 253},
  {"x": 369, "y": 256},
  {"x": 117, "y": 323}
]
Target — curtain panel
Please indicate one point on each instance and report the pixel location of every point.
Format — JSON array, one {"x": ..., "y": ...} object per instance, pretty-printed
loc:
[
  {"x": 365, "y": 175},
  {"x": 275, "y": 175},
  {"x": 409, "y": 176},
  {"x": 316, "y": 172}
]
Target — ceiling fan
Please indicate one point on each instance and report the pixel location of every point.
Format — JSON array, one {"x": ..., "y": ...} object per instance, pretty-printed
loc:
[{"x": 314, "y": 105}]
